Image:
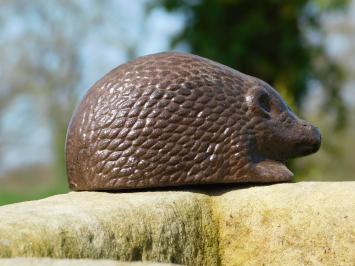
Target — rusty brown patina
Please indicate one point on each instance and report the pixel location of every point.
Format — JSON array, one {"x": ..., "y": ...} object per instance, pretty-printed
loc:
[{"x": 173, "y": 119}]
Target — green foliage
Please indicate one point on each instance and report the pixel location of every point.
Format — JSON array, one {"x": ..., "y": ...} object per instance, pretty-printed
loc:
[
  {"x": 335, "y": 160},
  {"x": 9, "y": 197},
  {"x": 30, "y": 183},
  {"x": 266, "y": 39}
]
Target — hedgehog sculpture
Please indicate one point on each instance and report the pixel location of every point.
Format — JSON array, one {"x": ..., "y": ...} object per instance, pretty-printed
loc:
[{"x": 173, "y": 119}]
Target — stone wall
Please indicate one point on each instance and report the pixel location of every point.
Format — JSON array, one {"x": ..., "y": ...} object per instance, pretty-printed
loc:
[{"x": 283, "y": 224}]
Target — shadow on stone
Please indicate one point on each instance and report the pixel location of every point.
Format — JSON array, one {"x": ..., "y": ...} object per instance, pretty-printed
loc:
[{"x": 206, "y": 189}]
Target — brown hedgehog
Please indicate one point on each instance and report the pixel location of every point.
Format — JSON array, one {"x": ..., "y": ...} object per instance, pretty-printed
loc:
[{"x": 173, "y": 119}]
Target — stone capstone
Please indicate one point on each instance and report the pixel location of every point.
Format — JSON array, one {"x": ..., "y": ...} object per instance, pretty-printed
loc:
[
  {"x": 72, "y": 262},
  {"x": 284, "y": 224}
]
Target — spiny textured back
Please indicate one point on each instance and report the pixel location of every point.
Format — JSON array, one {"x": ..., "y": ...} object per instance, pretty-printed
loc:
[{"x": 160, "y": 120}]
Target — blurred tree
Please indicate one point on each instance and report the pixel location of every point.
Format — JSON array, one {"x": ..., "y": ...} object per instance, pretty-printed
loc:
[
  {"x": 42, "y": 44},
  {"x": 279, "y": 41},
  {"x": 43, "y": 63}
]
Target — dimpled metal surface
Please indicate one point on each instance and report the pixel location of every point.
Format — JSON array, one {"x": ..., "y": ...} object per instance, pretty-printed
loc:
[{"x": 174, "y": 119}]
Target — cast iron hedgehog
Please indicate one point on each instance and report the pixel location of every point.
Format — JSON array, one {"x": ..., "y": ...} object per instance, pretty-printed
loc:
[{"x": 173, "y": 119}]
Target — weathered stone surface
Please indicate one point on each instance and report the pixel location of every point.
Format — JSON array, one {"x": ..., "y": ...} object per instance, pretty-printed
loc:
[
  {"x": 72, "y": 262},
  {"x": 284, "y": 224},
  {"x": 288, "y": 224},
  {"x": 152, "y": 226}
]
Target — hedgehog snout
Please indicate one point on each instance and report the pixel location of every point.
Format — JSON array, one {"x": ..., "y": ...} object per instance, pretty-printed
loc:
[
  {"x": 315, "y": 138},
  {"x": 310, "y": 139}
]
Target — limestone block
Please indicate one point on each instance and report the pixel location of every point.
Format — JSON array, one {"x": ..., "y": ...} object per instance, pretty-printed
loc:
[
  {"x": 151, "y": 226},
  {"x": 284, "y": 224},
  {"x": 288, "y": 224},
  {"x": 72, "y": 262}
]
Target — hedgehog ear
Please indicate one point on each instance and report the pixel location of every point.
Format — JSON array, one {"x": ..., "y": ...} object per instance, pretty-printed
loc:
[{"x": 258, "y": 98}]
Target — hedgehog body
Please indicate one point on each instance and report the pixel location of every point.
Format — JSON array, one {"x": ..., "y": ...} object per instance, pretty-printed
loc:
[{"x": 174, "y": 119}]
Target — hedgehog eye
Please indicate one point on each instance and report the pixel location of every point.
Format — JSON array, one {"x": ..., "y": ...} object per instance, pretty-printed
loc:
[{"x": 264, "y": 103}]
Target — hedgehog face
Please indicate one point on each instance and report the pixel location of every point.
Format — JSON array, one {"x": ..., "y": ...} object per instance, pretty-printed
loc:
[{"x": 279, "y": 133}]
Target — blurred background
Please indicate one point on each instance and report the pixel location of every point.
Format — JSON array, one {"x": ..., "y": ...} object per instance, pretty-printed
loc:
[{"x": 51, "y": 52}]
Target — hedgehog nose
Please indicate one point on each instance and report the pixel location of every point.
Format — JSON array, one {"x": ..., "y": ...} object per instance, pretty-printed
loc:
[
  {"x": 316, "y": 138},
  {"x": 312, "y": 134}
]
